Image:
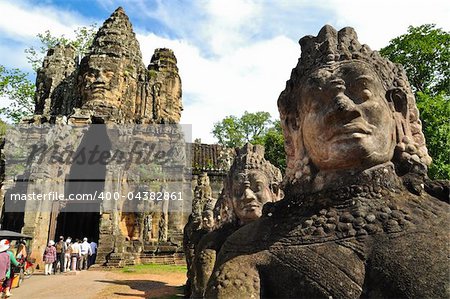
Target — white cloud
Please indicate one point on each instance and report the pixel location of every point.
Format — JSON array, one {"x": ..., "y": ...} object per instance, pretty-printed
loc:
[
  {"x": 233, "y": 55},
  {"x": 15, "y": 55},
  {"x": 23, "y": 20},
  {"x": 249, "y": 79},
  {"x": 377, "y": 22}
]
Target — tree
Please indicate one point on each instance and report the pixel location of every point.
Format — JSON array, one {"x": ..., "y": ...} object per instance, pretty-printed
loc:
[
  {"x": 424, "y": 53},
  {"x": 274, "y": 146},
  {"x": 235, "y": 132},
  {"x": 3, "y": 128},
  {"x": 256, "y": 128},
  {"x": 435, "y": 115},
  {"x": 84, "y": 36},
  {"x": 14, "y": 83}
]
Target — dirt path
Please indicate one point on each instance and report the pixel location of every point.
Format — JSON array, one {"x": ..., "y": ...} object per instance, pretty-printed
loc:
[{"x": 100, "y": 284}]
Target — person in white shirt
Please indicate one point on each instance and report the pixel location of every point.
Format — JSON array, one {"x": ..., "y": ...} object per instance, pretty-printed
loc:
[
  {"x": 85, "y": 251},
  {"x": 67, "y": 254},
  {"x": 75, "y": 255}
]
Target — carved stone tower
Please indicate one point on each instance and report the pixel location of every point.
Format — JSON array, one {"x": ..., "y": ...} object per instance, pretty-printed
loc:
[{"x": 109, "y": 85}]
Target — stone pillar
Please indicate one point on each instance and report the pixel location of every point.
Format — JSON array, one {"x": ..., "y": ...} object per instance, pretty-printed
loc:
[{"x": 106, "y": 240}]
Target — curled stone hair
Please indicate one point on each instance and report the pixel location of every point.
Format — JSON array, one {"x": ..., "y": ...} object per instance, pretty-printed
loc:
[
  {"x": 116, "y": 39},
  {"x": 327, "y": 50},
  {"x": 251, "y": 157}
]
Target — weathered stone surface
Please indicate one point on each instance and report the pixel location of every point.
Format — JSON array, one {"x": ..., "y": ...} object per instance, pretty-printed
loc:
[
  {"x": 111, "y": 82},
  {"x": 164, "y": 88},
  {"x": 200, "y": 222},
  {"x": 110, "y": 85},
  {"x": 251, "y": 182},
  {"x": 356, "y": 220},
  {"x": 55, "y": 82}
]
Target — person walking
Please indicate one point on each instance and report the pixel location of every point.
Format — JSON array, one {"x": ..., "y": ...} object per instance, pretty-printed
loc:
[
  {"x": 75, "y": 256},
  {"x": 49, "y": 257},
  {"x": 93, "y": 256},
  {"x": 67, "y": 254},
  {"x": 85, "y": 251},
  {"x": 9, "y": 275},
  {"x": 22, "y": 253},
  {"x": 60, "y": 254},
  {"x": 5, "y": 261}
]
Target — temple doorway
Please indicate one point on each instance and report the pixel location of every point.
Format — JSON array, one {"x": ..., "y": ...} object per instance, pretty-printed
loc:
[
  {"x": 80, "y": 218},
  {"x": 78, "y": 225}
]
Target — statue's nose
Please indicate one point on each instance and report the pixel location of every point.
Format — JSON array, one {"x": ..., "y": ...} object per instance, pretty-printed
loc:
[
  {"x": 99, "y": 79},
  {"x": 249, "y": 195},
  {"x": 344, "y": 103}
]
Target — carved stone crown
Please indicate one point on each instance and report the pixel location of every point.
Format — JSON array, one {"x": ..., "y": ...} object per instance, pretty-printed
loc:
[
  {"x": 252, "y": 157},
  {"x": 331, "y": 46},
  {"x": 116, "y": 39}
]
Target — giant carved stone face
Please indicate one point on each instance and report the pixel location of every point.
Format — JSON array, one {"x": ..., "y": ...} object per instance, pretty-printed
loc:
[
  {"x": 347, "y": 123},
  {"x": 249, "y": 193},
  {"x": 101, "y": 81}
]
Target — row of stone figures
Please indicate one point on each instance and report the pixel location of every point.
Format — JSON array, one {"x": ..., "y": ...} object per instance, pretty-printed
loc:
[
  {"x": 358, "y": 216},
  {"x": 251, "y": 182}
]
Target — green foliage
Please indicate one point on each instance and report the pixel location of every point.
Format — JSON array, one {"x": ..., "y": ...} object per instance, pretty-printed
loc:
[
  {"x": 256, "y": 128},
  {"x": 82, "y": 42},
  {"x": 435, "y": 113},
  {"x": 15, "y": 85},
  {"x": 424, "y": 52},
  {"x": 235, "y": 132},
  {"x": 3, "y": 128},
  {"x": 274, "y": 146}
]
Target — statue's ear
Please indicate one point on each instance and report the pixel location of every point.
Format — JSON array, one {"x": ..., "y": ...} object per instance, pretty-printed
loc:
[
  {"x": 277, "y": 193},
  {"x": 280, "y": 194},
  {"x": 399, "y": 100}
]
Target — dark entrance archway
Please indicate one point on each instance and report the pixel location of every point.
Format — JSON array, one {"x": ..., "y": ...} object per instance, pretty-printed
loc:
[
  {"x": 13, "y": 215},
  {"x": 81, "y": 218},
  {"x": 78, "y": 225}
]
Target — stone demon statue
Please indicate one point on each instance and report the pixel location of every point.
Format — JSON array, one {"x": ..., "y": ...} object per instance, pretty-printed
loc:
[
  {"x": 357, "y": 220},
  {"x": 251, "y": 182}
]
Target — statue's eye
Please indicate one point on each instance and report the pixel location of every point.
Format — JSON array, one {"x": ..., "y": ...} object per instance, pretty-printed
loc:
[
  {"x": 89, "y": 75},
  {"x": 360, "y": 90},
  {"x": 109, "y": 74},
  {"x": 259, "y": 187}
]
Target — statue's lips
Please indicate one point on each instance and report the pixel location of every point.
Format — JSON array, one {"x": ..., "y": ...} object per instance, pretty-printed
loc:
[
  {"x": 351, "y": 130},
  {"x": 251, "y": 207},
  {"x": 98, "y": 90}
]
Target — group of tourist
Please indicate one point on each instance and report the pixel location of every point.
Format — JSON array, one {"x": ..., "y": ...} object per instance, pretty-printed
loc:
[
  {"x": 8, "y": 262},
  {"x": 66, "y": 255}
]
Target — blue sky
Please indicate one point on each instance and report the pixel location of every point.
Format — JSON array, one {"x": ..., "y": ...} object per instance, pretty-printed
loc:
[{"x": 233, "y": 55}]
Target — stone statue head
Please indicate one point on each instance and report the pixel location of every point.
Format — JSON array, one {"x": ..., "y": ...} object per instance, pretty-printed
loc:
[
  {"x": 251, "y": 182},
  {"x": 109, "y": 74},
  {"x": 347, "y": 108},
  {"x": 208, "y": 217},
  {"x": 208, "y": 221},
  {"x": 203, "y": 179},
  {"x": 101, "y": 80}
]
